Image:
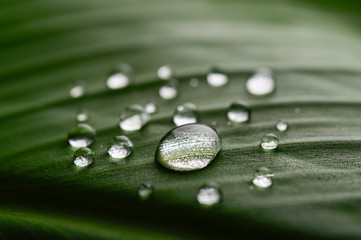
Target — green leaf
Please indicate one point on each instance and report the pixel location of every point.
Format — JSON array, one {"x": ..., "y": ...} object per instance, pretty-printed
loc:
[{"x": 314, "y": 50}]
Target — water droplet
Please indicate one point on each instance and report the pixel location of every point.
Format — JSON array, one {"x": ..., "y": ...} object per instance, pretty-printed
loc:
[
  {"x": 188, "y": 147},
  {"x": 269, "y": 142},
  {"x": 263, "y": 178},
  {"x": 133, "y": 118},
  {"x": 82, "y": 135},
  {"x": 165, "y": 72},
  {"x": 208, "y": 196},
  {"x": 185, "y": 114},
  {"x": 83, "y": 157},
  {"x": 150, "y": 107},
  {"x": 82, "y": 115},
  {"x": 169, "y": 90},
  {"x": 121, "y": 147},
  {"x": 145, "y": 191},
  {"x": 297, "y": 110},
  {"x": 214, "y": 123},
  {"x": 239, "y": 112},
  {"x": 194, "y": 82},
  {"x": 282, "y": 125},
  {"x": 120, "y": 77},
  {"x": 77, "y": 91},
  {"x": 217, "y": 78},
  {"x": 261, "y": 83}
]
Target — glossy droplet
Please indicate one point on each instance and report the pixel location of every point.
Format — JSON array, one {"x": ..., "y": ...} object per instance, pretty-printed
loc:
[
  {"x": 217, "y": 78},
  {"x": 165, "y": 72},
  {"x": 145, "y": 191},
  {"x": 121, "y": 147},
  {"x": 194, "y": 82},
  {"x": 77, "y": 91},
  {"x": 269, "y": 142},
  {"x": 150, "y": 107},
  {"x": 185, "y": 114},
  {"x": 282, "y": 126},
  {"x": 261, "y": 83},
  {"x": 238, "y": 112},
  {"x": 263, "y": 178},
  {"x": 82, "y": 115},
  {"x": 119, "y": 77},
  {"x": 169, "y": 90},
  {"x": 83, "y": 157},
  {"x": 82, "y": 135},
  {"x": 208, "y": 196},
  {"x": 133, "y": 118},
  {"x": 188, "y": 147}
]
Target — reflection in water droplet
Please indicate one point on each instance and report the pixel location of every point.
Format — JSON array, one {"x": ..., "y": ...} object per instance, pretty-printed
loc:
[
  {"x": 208, "y": 196},
  {"x": 77, "y": 91},
  {"x": 188, "y": 147},
  {"x": 83, "y": 157},
  {"x": 185, "y": 114},
  {"x": 282, "y": 125},
  {"x": 121, "y": 147},
  {"x": 269, "y": 142},
  {"x": 82, "y": 135},
  {"x": 165, "y": 72},
  {"x": 263, "y": 178},
  {"x": 239, "y": 112},
  {"x": 217, "y": 78},
  {"x": 194, "y": 82},
  {"x": 133, "y": 118},
  {"x": 82, "y": 115},
  {"x": 145, "y": 191},
  {"x": 120, "y": 77},
  {"x": 261, "y": 83},
  {"x": 150, "y": 107},
  {"x": 169, "y": 90}
]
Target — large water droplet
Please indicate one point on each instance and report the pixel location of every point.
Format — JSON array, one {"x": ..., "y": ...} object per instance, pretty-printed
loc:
[
  {"x": 150, "y": 107},
  {"x": 120, "y": 77},
  {"x": 82, "y": 115},
  {"x": 282, "y": 125},
  {"x": 261, "y": 83},
  {"x": 269, "y": 142},
  {"x": 165, "y": 72},
  {"x": 217, "y": 78},
  {"x": 208, "y": 196},
  {"x": 194, "y": 82},
  {"x": 77, "y": 91},
  {"x": 83, "y": 157},
  {"x": 82, "y": 135},
  {"x": 263, "y": 178},
  {"x": 145, "y": 191},
  {"x": 238, "y": 112},
  {"x": 188, "y": 147},
  {"x": 121, "y": 147},
  {"x": 185, "y": 114},
  {"x": 133, "y": 118},
  {"x": 169, "y": 90}
]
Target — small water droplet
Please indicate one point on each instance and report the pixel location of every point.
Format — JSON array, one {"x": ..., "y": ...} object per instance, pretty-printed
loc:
[
  {"x": 83, "y": 157},
  {"x": 133, "y": 118},
  {"x": 185, "y": 114},
  {"x": 217, "y": 78},
  {"x": 169, "y": 90},
  {"x": 82, "y": 135},
  {"x": 297, "y": 110},
  {"x": 77, "y": 91},
  {"x": 269, "y": 142},
  {"x": 82, "y": 115},
  {"x": 165, "y": 72},
  {"x": 119, "y": 77},
  {"x": 263, "y": 178},
  {"x": 208, "y": 196},
  {"x": 282, "y": 125},
  {"x": 239, "y": 112},
  {"x": 150, "y": 107},
  {"x": 194, "y": 82},
  {"x": 261, "y": 83},
  {"x": 145, "y": 191},
  {"x": 188, "y": 147},
  {"x": 214, "y": 123},
  {"x": 121, "y": 147}
]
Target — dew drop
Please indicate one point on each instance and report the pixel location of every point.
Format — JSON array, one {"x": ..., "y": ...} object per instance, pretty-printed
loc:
[
  {"x": 77, "y": 91},
  {"x": 194, "y": 82},
  {"x": 269, "y": 142},
  {"x": 185, "y": 114},
  {"x": 165, "y": 72},
  {"x": 282, "y": 125},
  {"x": 145, "y": 191},
  {"x": 208, "y": 196},
  {"x": 238, "y": 112},
  {"x": 188, "y": 147},
  {"x": 169, "y": 90},
  {"x": 217, "y": 78},
  {"x": 261, "y": 83},
  {"x": 83, "y": 157},
  {"x": 121, "y": 147},
  {"x": 263, "y": 178},
  {"x": 150, "y": 107},
  {"x": 82, "y": 115},
  {"x": 82, "y": 135},
  {"x": 119, "y": 77},
  {"x": 133, "y": 118}
]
